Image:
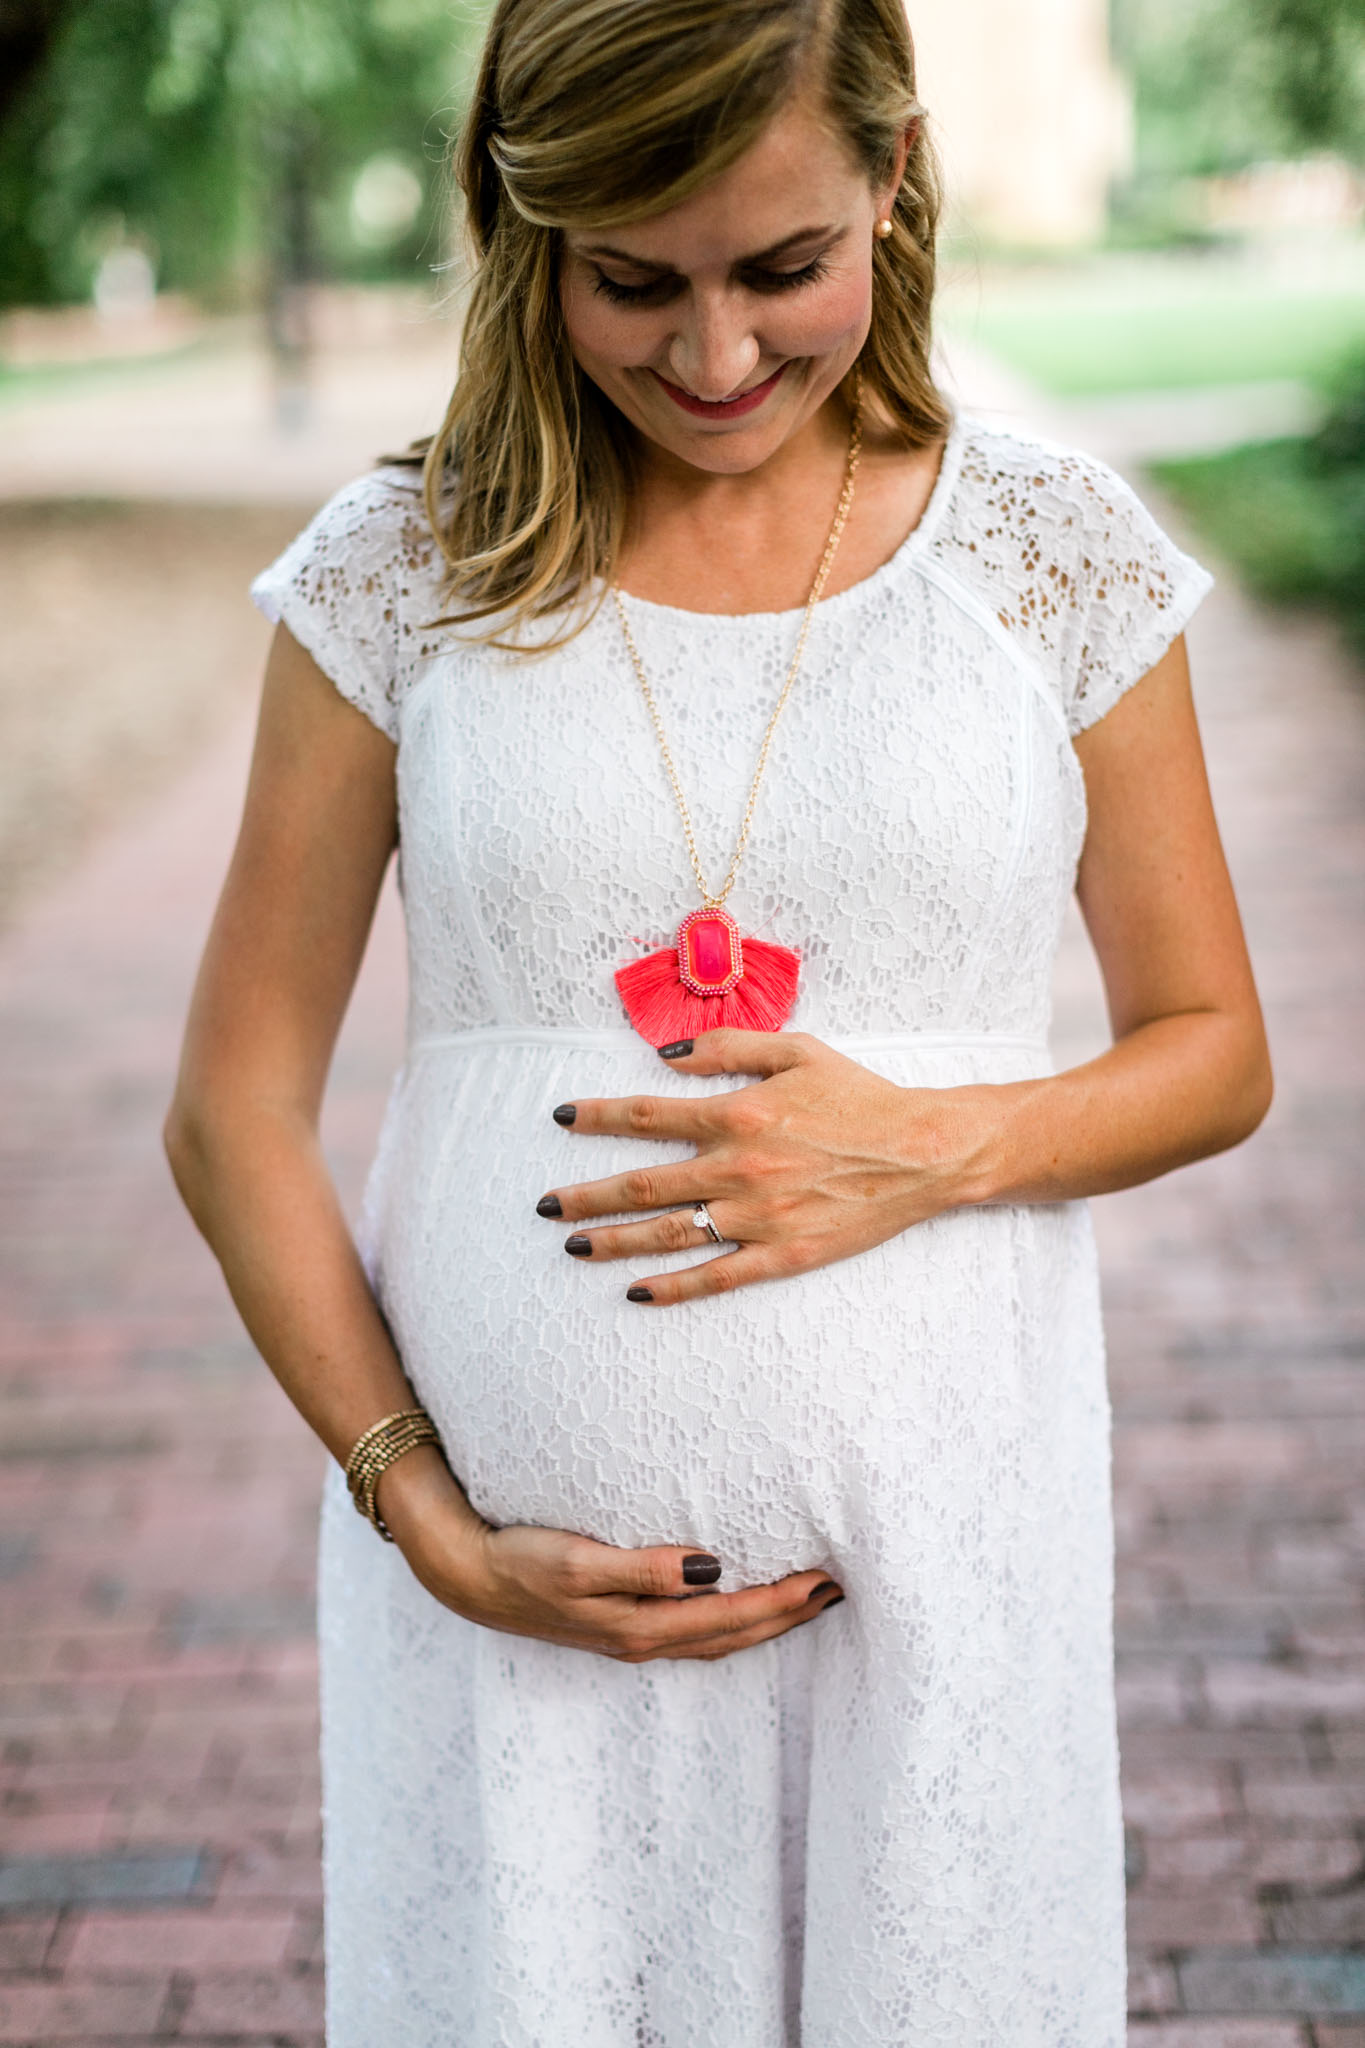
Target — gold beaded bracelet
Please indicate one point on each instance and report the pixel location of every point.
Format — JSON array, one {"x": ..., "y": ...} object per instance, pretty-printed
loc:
[{"x": 381, "y": 1446}]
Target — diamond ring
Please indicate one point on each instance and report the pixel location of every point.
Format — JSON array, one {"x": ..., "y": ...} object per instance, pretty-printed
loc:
[{"x": 701, "y": 1220}]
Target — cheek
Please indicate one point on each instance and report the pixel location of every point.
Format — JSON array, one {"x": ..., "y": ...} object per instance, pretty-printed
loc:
[
  {"x": 818, "y": 320},
  {"x": 601, "y": 331}
]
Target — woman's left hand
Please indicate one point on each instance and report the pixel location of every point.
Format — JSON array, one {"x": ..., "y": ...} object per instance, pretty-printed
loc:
[{"x": 817, "y": 1160}]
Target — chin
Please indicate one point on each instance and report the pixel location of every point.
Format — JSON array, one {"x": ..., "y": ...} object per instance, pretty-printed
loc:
[{"x": 733, "y": 455}]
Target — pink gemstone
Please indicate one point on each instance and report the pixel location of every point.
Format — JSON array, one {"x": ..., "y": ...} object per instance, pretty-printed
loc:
[{"x": 709, "y": 945}]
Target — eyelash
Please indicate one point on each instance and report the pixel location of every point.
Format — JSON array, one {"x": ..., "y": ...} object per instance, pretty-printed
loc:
[{"x": 773, "y": 281}]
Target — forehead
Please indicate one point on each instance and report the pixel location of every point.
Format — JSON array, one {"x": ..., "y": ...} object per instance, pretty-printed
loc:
[{"x": 799, "y": 172}]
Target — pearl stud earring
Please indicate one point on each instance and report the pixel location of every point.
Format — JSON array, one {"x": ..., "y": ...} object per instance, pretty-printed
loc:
[{"x": 882, "y": 229}]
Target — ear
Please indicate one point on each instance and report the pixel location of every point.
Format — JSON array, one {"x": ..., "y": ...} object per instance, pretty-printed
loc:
[{"x": 905, "y": 142}]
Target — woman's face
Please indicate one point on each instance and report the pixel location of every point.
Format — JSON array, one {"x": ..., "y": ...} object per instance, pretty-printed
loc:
[{"x": 720, "y": 327}]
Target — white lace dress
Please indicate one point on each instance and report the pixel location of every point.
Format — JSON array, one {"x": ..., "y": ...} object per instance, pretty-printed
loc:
[{"x": 898, "y": 1826}]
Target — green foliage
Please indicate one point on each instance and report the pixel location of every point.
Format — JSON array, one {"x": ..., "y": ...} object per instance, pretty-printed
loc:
[
  {"x": 1340, "y": 444},
  {"x": 1262, "y": 508},
  {"x": 1221, "y": 84},
  {"x": 177, "y": 120},
  {"x": 1318, "y": 82},
  {"x": 1203, "y": 87},
  {"x": 1291, "y": 514}
]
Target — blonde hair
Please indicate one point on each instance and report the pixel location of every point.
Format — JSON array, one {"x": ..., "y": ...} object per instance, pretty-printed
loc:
[{"x": 596, "y": 112}]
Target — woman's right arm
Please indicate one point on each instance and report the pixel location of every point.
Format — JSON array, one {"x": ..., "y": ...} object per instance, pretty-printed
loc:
[{"x": 242, "y": 1137}]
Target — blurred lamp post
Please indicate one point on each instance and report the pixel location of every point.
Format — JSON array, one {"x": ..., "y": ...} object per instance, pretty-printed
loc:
[{"x": 291, "y": 269}]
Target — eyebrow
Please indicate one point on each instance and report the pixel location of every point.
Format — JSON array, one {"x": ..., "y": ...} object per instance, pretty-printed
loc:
[{"x": 613, "y": 255}]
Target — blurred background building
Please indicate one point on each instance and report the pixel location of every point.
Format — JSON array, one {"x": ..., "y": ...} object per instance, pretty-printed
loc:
[{"x": 1035, "y": 121}]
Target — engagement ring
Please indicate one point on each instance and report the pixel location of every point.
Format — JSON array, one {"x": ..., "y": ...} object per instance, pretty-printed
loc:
[{"x": 701, "y": 1220}]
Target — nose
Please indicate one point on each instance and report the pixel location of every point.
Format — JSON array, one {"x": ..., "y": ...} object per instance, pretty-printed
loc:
[{"x": 714, "y": 349}]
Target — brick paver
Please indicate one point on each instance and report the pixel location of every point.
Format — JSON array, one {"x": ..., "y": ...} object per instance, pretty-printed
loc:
[{"x": 158, "y": 1793}]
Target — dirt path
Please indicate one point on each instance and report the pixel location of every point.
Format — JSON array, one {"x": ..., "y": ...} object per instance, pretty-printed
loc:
[{"x": 127, "y": 649}]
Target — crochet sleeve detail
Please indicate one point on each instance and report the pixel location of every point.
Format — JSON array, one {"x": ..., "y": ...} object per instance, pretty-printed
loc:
[
  {"x": 1074, "y": 564},
  {"x": 358, "y": 589}
]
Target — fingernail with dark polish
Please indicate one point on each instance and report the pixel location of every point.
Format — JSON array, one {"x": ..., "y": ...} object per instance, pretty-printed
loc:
[
  {"x": 638, "y": 1294},
  {"x": 578, "y": 1246},
  {"x": 701, "y": 1570},
  {"x": 565, "y": 1114},
  {"x": 835, "y": 1602},
  {"x": 678, "y": 1051},
  {"x": 549, "y": 1205},
  {"x": 827, "y": 1587}
]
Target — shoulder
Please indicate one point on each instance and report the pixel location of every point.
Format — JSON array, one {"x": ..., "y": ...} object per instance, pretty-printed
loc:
[
  {"x": 1038, "y": 485},
  {"x": 1069, "y": 558},
  {"x": 376, "y": 525},
  {"x": 360, "y": 587}
]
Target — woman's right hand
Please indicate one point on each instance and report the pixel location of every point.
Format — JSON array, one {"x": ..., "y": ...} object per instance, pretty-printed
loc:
[{"x": 632, "y": 1605}]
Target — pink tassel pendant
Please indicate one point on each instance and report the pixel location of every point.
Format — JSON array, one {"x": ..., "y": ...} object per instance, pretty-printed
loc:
[{"x": 710, "y": 978}]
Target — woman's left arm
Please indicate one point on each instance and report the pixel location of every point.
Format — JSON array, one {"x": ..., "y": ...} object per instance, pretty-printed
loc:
[
  {"x": 1189, "y": 1071},
  {"x": 822, "y": 1159}
]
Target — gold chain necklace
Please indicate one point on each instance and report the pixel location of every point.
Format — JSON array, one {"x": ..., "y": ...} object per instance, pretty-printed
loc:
[{"x": 712, "y": 976}]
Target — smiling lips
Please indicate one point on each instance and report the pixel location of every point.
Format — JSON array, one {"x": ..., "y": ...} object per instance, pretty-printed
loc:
[{"x": 724, "y": 408}]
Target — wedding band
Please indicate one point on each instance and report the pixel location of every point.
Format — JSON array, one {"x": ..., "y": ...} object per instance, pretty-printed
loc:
[{"x": 701, "y": 1220}]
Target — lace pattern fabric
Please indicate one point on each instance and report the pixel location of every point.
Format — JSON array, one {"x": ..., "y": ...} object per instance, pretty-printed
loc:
[{"x": 899, "y": 1827}]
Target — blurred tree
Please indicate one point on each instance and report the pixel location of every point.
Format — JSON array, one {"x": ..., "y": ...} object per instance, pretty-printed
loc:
[
  {"x": 1224, "y": 84},
  {"x": 219, "y": 133},
  {"x": 27, "y": 31},
  {"x": 1318, "y": 81}
]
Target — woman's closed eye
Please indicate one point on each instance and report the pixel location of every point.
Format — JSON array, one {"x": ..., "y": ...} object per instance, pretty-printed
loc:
[{"x": 657, "y": 291}]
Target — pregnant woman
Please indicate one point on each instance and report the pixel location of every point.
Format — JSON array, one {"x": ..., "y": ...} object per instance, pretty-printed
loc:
[{"x": 722, "y": 1351}]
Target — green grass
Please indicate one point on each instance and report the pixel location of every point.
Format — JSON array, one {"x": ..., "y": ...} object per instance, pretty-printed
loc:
[
  {"x": 40, "y": 379},
  {"x": 1090, "y": 335},
  {"x": 1290, "y": 525}
]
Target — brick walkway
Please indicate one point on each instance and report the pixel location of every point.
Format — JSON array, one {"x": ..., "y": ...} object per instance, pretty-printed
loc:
[
  {"x": 158, "y": 1865},
  {"x": 1236, "y": 1294},
  {"x": 158, "y": 1804}
]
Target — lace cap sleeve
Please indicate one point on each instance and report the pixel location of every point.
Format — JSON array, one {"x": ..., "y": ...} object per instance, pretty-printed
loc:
[
  {"x": 1136, "y": 590},
  {"x": 1071, "y": 562},
  {"x": 355, "y": 589}
]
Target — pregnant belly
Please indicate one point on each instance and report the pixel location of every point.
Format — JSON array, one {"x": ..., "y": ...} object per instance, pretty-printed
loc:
[{"x": 777, "y": 1427}]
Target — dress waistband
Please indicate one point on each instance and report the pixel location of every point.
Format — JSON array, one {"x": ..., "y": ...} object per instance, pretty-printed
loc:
[{"x": 621, "y": 1039}]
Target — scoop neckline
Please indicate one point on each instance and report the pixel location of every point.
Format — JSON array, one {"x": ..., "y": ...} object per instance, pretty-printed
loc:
[{"x": 919, "y": 537}]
